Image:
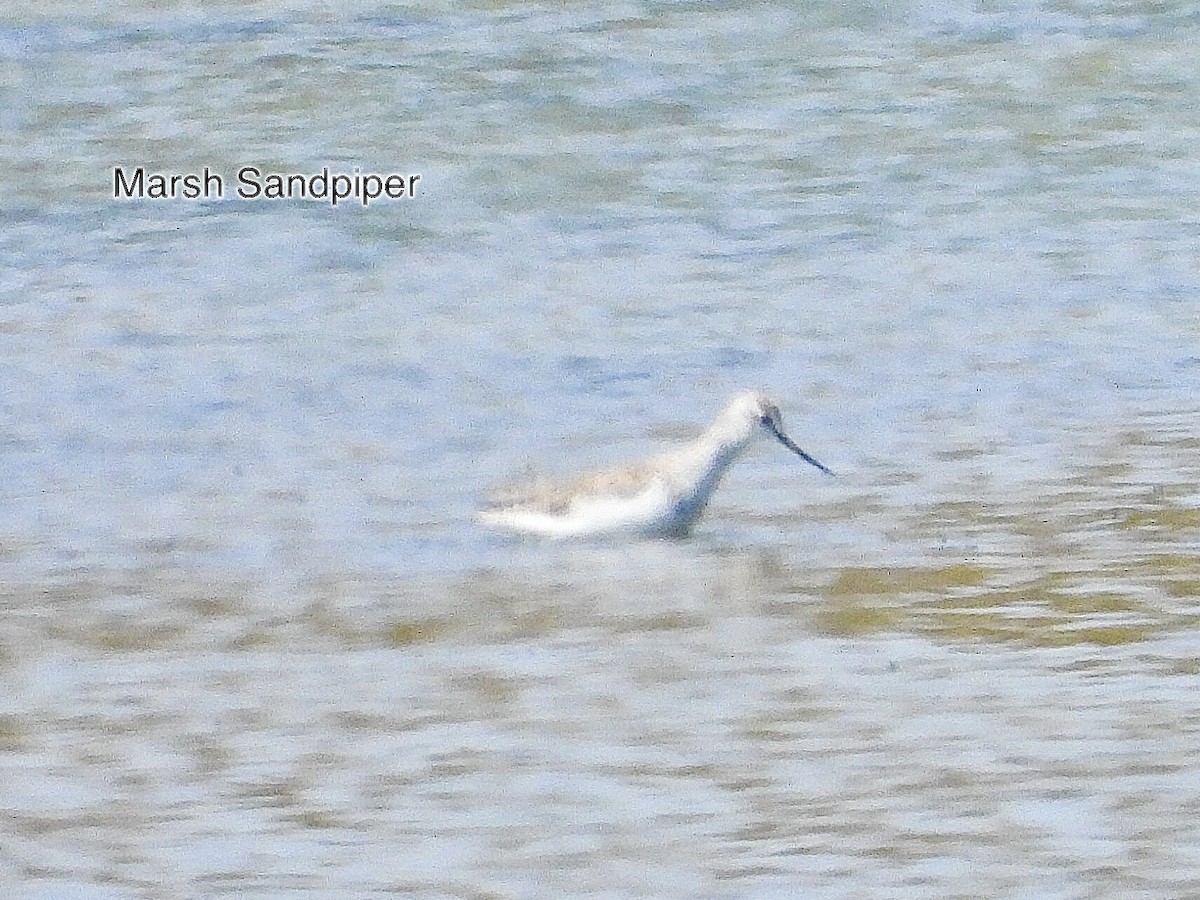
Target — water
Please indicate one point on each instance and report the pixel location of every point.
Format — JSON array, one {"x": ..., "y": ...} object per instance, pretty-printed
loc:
[{"x": 252, "y": 643}]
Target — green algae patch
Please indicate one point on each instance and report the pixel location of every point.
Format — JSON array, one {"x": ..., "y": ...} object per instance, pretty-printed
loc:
[
  {"x": 12, "y": 734},
  {"x": 132, "y": 638},
  {"x": 964, "y": 603},
  {"x": 1111, "y": 635},
  {"x": 906, "y": 580},
  {"x": 1168, "y": 518},
  {"x": 1036, "y": 629},
  {"x": 316, "y": 818},
  {"x": 1187, "y": 587},
  {"x": 853, "y": 619},
  {"x": 277, "y": 793},
  {"x": 402, "y": 634},
  {"x": 254, "y": 638},
  {"x": 535, "y": 623},
  {"x": 1083, "y": 604},
  {"x": 991, "y": 628},
  {"x": 674, "y": 620}
]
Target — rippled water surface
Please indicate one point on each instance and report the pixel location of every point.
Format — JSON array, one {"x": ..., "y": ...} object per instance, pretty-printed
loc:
[{"x": 252, "y": 643}]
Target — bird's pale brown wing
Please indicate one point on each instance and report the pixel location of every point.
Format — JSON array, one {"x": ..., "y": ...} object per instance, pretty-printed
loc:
[{"x": 540, "y": 494}]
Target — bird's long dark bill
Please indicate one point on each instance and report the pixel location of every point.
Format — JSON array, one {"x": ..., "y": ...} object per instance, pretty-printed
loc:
[{"x": 791, "y": 445}]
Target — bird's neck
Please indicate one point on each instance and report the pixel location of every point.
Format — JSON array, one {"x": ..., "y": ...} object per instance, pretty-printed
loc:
[{"x": 707, "y": 460}]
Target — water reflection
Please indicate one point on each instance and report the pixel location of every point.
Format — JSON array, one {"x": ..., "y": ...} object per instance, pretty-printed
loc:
[{"x": 251, "y": 643}]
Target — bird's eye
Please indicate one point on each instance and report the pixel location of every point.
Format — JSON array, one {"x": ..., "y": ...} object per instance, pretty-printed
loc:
[{"x": 765, "y": 420}]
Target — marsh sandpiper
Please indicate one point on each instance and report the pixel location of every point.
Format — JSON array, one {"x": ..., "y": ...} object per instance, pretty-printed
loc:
[{"x": 660, "y": 496}]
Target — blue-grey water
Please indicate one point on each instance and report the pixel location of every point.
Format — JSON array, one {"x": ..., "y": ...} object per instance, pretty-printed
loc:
[{"x": 252, "y": 643}]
